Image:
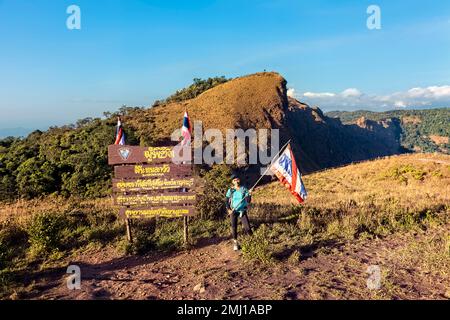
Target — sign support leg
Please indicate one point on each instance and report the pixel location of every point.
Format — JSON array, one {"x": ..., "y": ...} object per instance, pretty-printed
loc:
[
  {"x": 186, "y": 230},
  {"x": 128, "y": 225}
]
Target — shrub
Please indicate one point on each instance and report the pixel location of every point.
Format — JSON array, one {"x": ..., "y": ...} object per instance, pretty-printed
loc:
[
  {"x": 104, "y": 233},
  {"x": 196, "y": 88},
  {"x": 294, "y": 258},
  {"x": 168, "y": 234},
  {"x": 199, "y": 228},
  {"x": 142, "y": 243},
  {"x": 13, "y": 240},
  {"x": 211, "y": 203},
  {"x": 403, "y": 172},
  {"x": 150, "y": 235},
  {"x": 257, "y": 246},
  {"x": 45, "y": 232}
]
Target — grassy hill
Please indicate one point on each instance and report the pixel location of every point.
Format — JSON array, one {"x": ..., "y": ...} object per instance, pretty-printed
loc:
[
  {"x": 422, "y": 130},
  {"x": 71, "y": 160},
  {"x": 259, "y": 101},
  {"x": 391, "y": 212}
]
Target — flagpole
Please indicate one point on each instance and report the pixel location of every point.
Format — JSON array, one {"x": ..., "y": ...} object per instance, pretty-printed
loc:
[{"x": 268, "y": 168}]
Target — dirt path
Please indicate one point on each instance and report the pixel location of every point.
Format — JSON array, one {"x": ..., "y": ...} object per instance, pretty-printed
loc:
[{"x": 213, "y": 270}]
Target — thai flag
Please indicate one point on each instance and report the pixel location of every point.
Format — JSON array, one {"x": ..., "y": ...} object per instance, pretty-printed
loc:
[
  {"x": 287, "y": 172},
  {"x": 186, "y": 130},
  {"x": 120, "y": 134}
]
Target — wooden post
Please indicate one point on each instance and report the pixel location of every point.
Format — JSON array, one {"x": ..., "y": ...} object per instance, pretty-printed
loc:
[
  {"x": 186, "y": 230},
  {"x": 128, "y": 224}
]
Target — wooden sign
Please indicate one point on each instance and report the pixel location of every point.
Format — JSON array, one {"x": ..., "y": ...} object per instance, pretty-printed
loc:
[
  {"x": 170, "y": 198},
  {"x": 147, "y": 184},
  {"x": 139, "y": 213},
  {"x": 152, "y": 170},
  {"x": 118, "y": 154},
  {"x": 140, "y": 185}
]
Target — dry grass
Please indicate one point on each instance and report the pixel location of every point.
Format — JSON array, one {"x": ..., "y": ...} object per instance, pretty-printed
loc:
[
  {"x": 360, "y": 207},
  {"x": 243, "y": 102},
  {"x": 21, "y": 210},
  {"x": 409, "y": 182}
]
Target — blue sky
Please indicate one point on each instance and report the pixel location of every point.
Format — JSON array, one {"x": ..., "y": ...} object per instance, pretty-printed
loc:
[{"x": 136, "y": 51}]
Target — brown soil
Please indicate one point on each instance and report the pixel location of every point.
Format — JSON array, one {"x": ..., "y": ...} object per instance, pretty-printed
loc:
[
  {"x": 212, "y": 270},
  {"x": 439, "y": 139}
]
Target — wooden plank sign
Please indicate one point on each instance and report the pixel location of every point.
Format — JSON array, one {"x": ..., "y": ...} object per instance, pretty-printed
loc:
[
  {"x": 152, "y": 170},
  {"x": 118, "y": 154},
  {"x": 148, "y": 182},
  {"x": 138, "y": 213},
  {"x": 140, "y": 185},
  {"x": 172, "y": 199}
]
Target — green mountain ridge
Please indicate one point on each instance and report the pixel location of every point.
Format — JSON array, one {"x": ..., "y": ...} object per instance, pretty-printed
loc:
[{"x": 425, "y": 130}]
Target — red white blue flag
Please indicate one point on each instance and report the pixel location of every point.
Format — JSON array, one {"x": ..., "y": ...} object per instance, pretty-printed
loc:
[
  {"x": 289, "y": 175},
  {"x": 120, "y": 134},
  {"x": 186, "y": 130}
]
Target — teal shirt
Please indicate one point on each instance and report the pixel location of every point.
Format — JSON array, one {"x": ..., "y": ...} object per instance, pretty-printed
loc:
[{"x": 236, "y": 197}]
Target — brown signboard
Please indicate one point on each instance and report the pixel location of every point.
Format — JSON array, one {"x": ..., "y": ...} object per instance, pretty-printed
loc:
[
  {"x": 140, "y": 185},
  {"x": 169, "y": 212},
  {"x": 147, "y": 183},
  {"x": 152, "y": 170},
  {"x": 170, "y": 199},
  {"x": 118, "y": 154}
]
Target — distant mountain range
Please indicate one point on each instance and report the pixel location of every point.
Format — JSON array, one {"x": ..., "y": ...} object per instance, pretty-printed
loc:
[{"x": 426, "y": 130}]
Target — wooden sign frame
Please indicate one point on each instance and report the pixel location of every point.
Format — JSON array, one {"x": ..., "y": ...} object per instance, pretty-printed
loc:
[{"x": 148, "y": 184}]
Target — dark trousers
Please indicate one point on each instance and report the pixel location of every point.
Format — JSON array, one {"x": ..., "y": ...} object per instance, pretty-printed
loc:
[{"x": 245, "y": 224}]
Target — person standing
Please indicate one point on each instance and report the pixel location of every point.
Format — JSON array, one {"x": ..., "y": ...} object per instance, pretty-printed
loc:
[{"x": 237, "y": 199}]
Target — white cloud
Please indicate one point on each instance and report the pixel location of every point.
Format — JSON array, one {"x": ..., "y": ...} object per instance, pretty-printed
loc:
[
  {"x": 400, "y": 104},
  {"x": 351, "y": 92},
  {"x": 352, "y": 98},
  {"x": 291, "y": 92},
  {"x": 319, "y": 95},
  {"x": 430, "y": 92}
]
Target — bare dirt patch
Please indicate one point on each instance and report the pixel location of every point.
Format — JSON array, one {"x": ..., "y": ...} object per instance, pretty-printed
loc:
[
  {"x": 411, "y": 120},
  {"x": 439, "y": 139}
]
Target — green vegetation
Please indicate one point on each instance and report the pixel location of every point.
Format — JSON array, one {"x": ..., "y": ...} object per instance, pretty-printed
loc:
[
  {"x": 318, "y": 228},
  {"x": 167, "y": 234},
  {"x": 211, "y": 202},
  {"x": 68, "y": 160},
  {"x": 72, "y": 160},
  {"x": 45, "y": 233},
  {"x": 198, "y": 87},
  {"x": 257, "y": 246},
  {"x": 417, "y": 126},
  {"x": 401, "y": 173}
]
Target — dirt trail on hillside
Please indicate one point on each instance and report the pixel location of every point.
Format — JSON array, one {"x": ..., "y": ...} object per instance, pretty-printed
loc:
[{"x": 212, "y": 270}]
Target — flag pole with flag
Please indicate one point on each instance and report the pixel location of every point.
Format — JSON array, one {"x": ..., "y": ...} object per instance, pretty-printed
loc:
[
  {"x": 283, "y": 165},
  {"x": 186, "y": 130},
  {"x": 286, "y": 170},
  {"x": 120, "y": 134}
]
